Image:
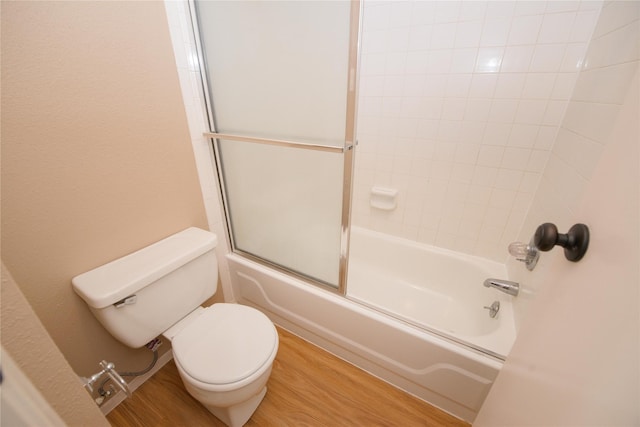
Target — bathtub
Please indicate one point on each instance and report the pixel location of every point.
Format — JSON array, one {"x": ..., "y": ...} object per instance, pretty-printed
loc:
[
  {"x": 432, "y": 288},
  {"x": 428, "y": 361}
]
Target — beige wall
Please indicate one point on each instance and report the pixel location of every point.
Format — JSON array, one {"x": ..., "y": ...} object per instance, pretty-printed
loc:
[
  {"x": 28, "y": 343},
  {"x": 96, "y": 156}
]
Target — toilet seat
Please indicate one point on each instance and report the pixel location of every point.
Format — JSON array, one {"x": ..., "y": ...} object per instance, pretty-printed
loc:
[{"x": 226, "y": 344}]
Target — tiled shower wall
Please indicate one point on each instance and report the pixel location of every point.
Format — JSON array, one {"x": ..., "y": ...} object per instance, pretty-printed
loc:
[
  {"x": 459, "y": 107},
  {"x": 589, "y": 130}
]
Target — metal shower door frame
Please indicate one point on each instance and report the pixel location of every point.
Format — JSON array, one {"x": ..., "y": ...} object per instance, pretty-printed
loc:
[{"x": 347, "y": 150}]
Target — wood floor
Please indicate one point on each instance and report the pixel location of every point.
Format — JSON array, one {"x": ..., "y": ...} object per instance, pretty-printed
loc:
[{"x": 308, "y": 387}]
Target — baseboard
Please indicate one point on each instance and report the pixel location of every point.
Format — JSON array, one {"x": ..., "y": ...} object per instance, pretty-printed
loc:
[{"x": 120, "y": 396}]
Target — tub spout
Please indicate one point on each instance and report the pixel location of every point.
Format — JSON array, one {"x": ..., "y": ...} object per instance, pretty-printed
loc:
[{"x": 505, "y": 286}]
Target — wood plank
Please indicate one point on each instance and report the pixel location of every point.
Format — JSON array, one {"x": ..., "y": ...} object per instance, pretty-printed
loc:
[{"x": 308, "y": 387}]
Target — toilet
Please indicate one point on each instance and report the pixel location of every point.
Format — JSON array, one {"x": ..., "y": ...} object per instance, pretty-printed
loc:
[{"x": 224, "y": 353}]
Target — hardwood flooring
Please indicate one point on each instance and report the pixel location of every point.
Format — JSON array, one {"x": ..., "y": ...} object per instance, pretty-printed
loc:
[{"x": 308, "y": 387}]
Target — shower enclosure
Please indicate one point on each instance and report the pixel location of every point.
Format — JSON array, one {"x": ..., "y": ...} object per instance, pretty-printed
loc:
[
  {"x": 281, "y": 108},
  {"x": 458, "y": 108}
]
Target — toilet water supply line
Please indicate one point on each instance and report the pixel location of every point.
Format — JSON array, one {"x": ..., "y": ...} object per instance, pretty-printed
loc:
[{"x": 109, "y": 369}]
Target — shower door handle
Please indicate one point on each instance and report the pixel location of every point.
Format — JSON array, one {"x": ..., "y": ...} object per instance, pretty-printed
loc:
[{"x": 279, "y": 142}]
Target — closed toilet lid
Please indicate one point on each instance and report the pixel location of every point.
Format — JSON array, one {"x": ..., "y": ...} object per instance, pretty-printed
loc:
[{"x": 225, "y": 344}]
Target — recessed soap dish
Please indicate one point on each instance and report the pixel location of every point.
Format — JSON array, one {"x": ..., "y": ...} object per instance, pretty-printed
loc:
[{"x": 384, "y": 198}]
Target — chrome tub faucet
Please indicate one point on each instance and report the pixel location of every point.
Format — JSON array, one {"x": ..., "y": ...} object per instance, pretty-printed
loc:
[{"x": 506, "y": 286}]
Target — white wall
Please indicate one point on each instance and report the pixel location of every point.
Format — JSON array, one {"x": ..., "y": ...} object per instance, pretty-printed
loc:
[
  {"x": 459, "y": 107},
  {"x": 576, "y": 358}
]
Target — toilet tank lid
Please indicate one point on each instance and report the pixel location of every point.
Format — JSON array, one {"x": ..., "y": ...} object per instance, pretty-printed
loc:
[{"x": 112, "y": 282}]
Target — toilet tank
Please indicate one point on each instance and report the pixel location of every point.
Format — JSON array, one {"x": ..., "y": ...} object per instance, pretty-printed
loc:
[{"x": 139, "y": 296}]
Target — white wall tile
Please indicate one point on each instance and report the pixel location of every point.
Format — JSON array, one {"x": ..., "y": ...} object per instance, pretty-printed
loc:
[
  {"x": 539, "y": 86},
  {"x": 398, "y": 39},
  {"x": 401, "y": 12},
  {"x": 377, "y": 18},
  {"x": 517, "y": 59},
  {"x": 422, "y": 13},
  {"x": 562, "y": 6},
  {"x": 556, "y": 28},
  {"x": 546, "y": 137},
  {"x": 495, "y": 32},
  {"x": 555, "y": 112},
  {"x": 497, "y": 134},
  {"x": 583, "y": 26},
  {"x": 467, "y": 153},
  {"x": 446, "y": 11},
  {"x": 578, "y": 152},
  {"x": 472, "y": 131},
  {"x": 529, "y": 182},
  {"x": 419, "y": 37},
  {"x": 573, "y": 57},
  {"x": 478, "y": 109},
  {"x": 589, "y": 87},
  {"x": 612, "y": 18},
  {"x": 537, "y": 161},
  {"x": 547, "y": 58},
  {"x": 463, "y": 60},
  {"x": 489, "y": 59},
  {"x": 458, "y": 85},
  {"x": 531, "y": 111},
  {"x": 509, "y": 179},
  {"x": 468, "y": 34},
  {"x": 490, "y": 156},
  {"x": 563, "y": 86},
  {"x": 500, "y": 8},
  {"x": 483, "y": 85},
  {"x": 525, "y": 29},
  {"x": 530, "y": 7},
  {"x": 453, "y": 109},
  {"x": 443, "y": 36},
  {"x": 502, "y": 199},
  {"x": 503, "y": 110},
  {"x": 523, "y": 135},
  {"x": 510, "y": 85},
  {"x": 591, "y": 119},
  {"x": 466, "y": 97},
  {"x": 472, "y": 10},
  {"x": 439, "y": 61}
]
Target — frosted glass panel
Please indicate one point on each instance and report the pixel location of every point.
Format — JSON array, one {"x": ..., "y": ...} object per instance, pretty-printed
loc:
[
  {"x": 285, "y": 205},
  {"x": 278, "y": 69}
]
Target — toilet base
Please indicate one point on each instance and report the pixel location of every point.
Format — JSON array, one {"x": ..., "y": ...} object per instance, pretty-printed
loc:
[{"x": 238, "y": 415}]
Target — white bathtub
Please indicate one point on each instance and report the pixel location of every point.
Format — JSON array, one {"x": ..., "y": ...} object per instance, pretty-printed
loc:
[
  {"x": 431, "y": 287},
  {"x": 451, "y": 376}
]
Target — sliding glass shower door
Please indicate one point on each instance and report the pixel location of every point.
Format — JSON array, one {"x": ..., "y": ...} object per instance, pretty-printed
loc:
[{"x": 281, "y": 90}]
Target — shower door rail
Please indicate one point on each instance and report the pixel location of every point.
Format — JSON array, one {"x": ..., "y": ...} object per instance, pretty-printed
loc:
[{"x": 280, "y": 142}]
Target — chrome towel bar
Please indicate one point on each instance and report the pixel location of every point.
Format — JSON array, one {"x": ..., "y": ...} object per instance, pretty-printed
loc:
[{"x": 280, "y": 142}]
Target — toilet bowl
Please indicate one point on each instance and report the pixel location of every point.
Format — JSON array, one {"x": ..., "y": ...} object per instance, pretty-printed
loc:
[
  {"x": 226, "y": 369},
  {"x": 224, "y": 353}
]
